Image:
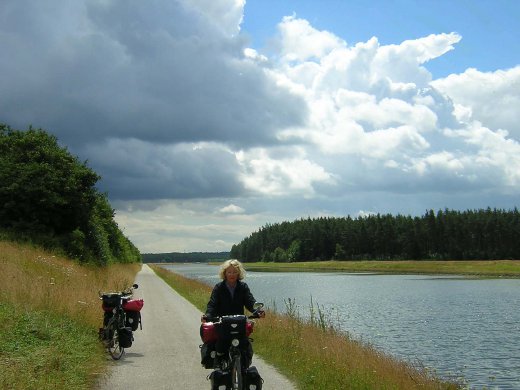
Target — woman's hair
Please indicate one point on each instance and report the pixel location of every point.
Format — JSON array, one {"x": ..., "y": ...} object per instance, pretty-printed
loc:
[{"x": 232, "y": 263}]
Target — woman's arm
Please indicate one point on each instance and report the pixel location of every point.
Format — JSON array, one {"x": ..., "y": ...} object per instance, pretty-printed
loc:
[
  {"x": 212, "y": 307},
  {"x": 249, "y": 299}
]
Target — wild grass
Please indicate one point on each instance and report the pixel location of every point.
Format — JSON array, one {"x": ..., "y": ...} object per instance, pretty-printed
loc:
[
  {"x": 313, "y": 354},
  {"x": 49, "y": 316},
  {"x": 490, "y": 268},
  {"x": 195, "y": 292}
]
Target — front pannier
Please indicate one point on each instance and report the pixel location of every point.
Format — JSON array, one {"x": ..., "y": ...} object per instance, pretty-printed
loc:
[
  {"x": 125, "y": 338},
  {"x": 207, "y": 355},
  {"x": 220, "y": 378},
  {"x": 253, "y": 379}
]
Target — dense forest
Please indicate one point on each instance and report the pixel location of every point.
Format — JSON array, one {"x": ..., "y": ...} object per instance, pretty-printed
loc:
[
  {"x": 445, "y": 235},
  {"x": 184, "y": 257},
  {"x": 49, "y": 198}
]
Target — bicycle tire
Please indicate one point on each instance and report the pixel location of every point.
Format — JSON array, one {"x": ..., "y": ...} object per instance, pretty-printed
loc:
[
  {"x": 237, "y": 382},
  {"x": 114, "y": 348}
]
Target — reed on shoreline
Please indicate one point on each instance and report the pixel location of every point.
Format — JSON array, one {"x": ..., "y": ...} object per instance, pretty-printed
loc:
[{"x": 313, "y": 354}]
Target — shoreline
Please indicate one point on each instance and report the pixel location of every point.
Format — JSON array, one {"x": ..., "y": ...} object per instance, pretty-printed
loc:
[{"x": 468, "y": 268}]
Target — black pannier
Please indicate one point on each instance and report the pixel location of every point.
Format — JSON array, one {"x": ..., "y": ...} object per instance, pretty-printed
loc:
[
  {"x": 207, "y": 355},
  {"x": 133, "y": 319},
  {"x": 125, "y": 337},
  {"x": 253, "y": 379},
  {"x": 111, "y": 300},
  {"x": 247, "y": 353},
  {"x": 220, "y": 378}
]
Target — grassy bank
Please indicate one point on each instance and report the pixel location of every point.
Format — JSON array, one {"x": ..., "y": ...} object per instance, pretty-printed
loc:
[
  {"x": 313, "y": 354},
  {"x": 491, "y": 268},
  {"x": 49, "y": 317}
]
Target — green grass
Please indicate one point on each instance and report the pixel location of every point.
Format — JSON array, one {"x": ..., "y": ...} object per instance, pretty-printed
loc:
[
  {"x": 485, "y": 268},
  {"x": 196, "y": 293},
  {"x": 41, "y": 350},
  {"x": 313, "y": 354}
]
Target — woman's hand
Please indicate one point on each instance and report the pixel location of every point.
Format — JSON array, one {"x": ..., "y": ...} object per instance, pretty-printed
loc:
[
  {"x": 261, "y": 314},
  {"x": 203, "y": 318}
]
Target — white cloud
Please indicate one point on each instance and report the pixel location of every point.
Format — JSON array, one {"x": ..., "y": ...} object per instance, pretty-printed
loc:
[
  {"x": 276, "y": 176},
  {"x": 231, "y": 209},
  {"x": 299, "y": 41},
  {"x": 492, "y": 98}
]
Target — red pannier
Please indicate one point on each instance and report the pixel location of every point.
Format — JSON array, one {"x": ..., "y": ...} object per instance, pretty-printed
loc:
[
  {"x": 208, "y": 332},
  {"x": 133, "y": 305}
]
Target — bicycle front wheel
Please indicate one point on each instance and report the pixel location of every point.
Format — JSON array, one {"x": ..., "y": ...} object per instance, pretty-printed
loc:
[
  {"x": 236, "y": 374},
  {"x": 114, "y": 348}
]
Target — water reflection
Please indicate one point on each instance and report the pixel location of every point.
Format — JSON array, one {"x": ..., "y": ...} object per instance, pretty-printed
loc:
[{"x": 458, "y": 327}]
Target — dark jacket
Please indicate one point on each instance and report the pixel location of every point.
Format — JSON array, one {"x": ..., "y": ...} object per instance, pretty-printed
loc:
[{"x": 221, "y": 304}]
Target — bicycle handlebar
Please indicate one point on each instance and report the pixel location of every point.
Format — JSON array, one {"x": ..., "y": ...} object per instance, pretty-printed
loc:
[
  {"x": 219, "y": 319},
  {"x": 126, "y": 293},
  {"x": 255, "y": 314}
]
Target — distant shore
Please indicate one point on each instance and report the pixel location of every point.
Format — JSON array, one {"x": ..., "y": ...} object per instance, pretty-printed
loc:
[{"x": 476, "y": 268}]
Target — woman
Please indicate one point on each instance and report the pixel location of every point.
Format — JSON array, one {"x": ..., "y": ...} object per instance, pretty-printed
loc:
[{"x": 230, "y": 296}]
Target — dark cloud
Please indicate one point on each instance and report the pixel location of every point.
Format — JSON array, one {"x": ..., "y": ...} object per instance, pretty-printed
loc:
[
  {"x": 153, "y": 71},
  {"x": 134, "y": 170}
]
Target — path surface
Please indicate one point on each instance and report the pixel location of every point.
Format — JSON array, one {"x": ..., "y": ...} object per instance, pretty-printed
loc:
[{"x": 165, "y": 353}]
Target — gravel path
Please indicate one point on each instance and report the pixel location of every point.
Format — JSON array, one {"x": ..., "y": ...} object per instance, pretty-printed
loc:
[{"x": 165, "y": 353}]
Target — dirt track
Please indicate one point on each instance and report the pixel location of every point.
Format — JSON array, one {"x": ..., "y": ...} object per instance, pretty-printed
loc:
[{"x": 165, "y": 353}]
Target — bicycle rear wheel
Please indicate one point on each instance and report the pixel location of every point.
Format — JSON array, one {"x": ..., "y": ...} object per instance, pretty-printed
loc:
[{"x": 114, "y": 348}]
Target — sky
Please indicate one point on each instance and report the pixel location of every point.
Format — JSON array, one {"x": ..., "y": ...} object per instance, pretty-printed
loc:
[{"x": 209, "y": 119}]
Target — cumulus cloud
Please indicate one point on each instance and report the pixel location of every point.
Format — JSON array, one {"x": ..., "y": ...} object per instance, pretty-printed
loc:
[
  {"x": 377, "y": 108},
  {"x": 492, "y": 98}
]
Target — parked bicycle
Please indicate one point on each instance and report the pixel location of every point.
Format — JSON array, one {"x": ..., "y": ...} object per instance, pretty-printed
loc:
[
  {"x": 122, "y": 316},
  {"x": 233, "y": 370}
]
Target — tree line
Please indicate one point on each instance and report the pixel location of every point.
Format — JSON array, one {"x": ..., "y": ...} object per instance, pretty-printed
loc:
[
  {"x": 48, "y": 197},
  {"x": 484, "y": 234},
  {"x": 184, "y": 257}
]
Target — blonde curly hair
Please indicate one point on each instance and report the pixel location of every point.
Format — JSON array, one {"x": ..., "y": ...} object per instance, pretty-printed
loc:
[{"x": 232, "y": 263}]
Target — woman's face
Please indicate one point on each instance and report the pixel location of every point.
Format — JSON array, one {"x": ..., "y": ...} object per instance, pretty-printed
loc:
[{"x": 231, "y": 274}]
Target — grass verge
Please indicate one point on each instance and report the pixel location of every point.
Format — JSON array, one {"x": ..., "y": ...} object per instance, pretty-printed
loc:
[
  {"x": 42, "y": 350},
  {"x": 314, "y": 356},
  {"x": 49, "y": 316}
]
